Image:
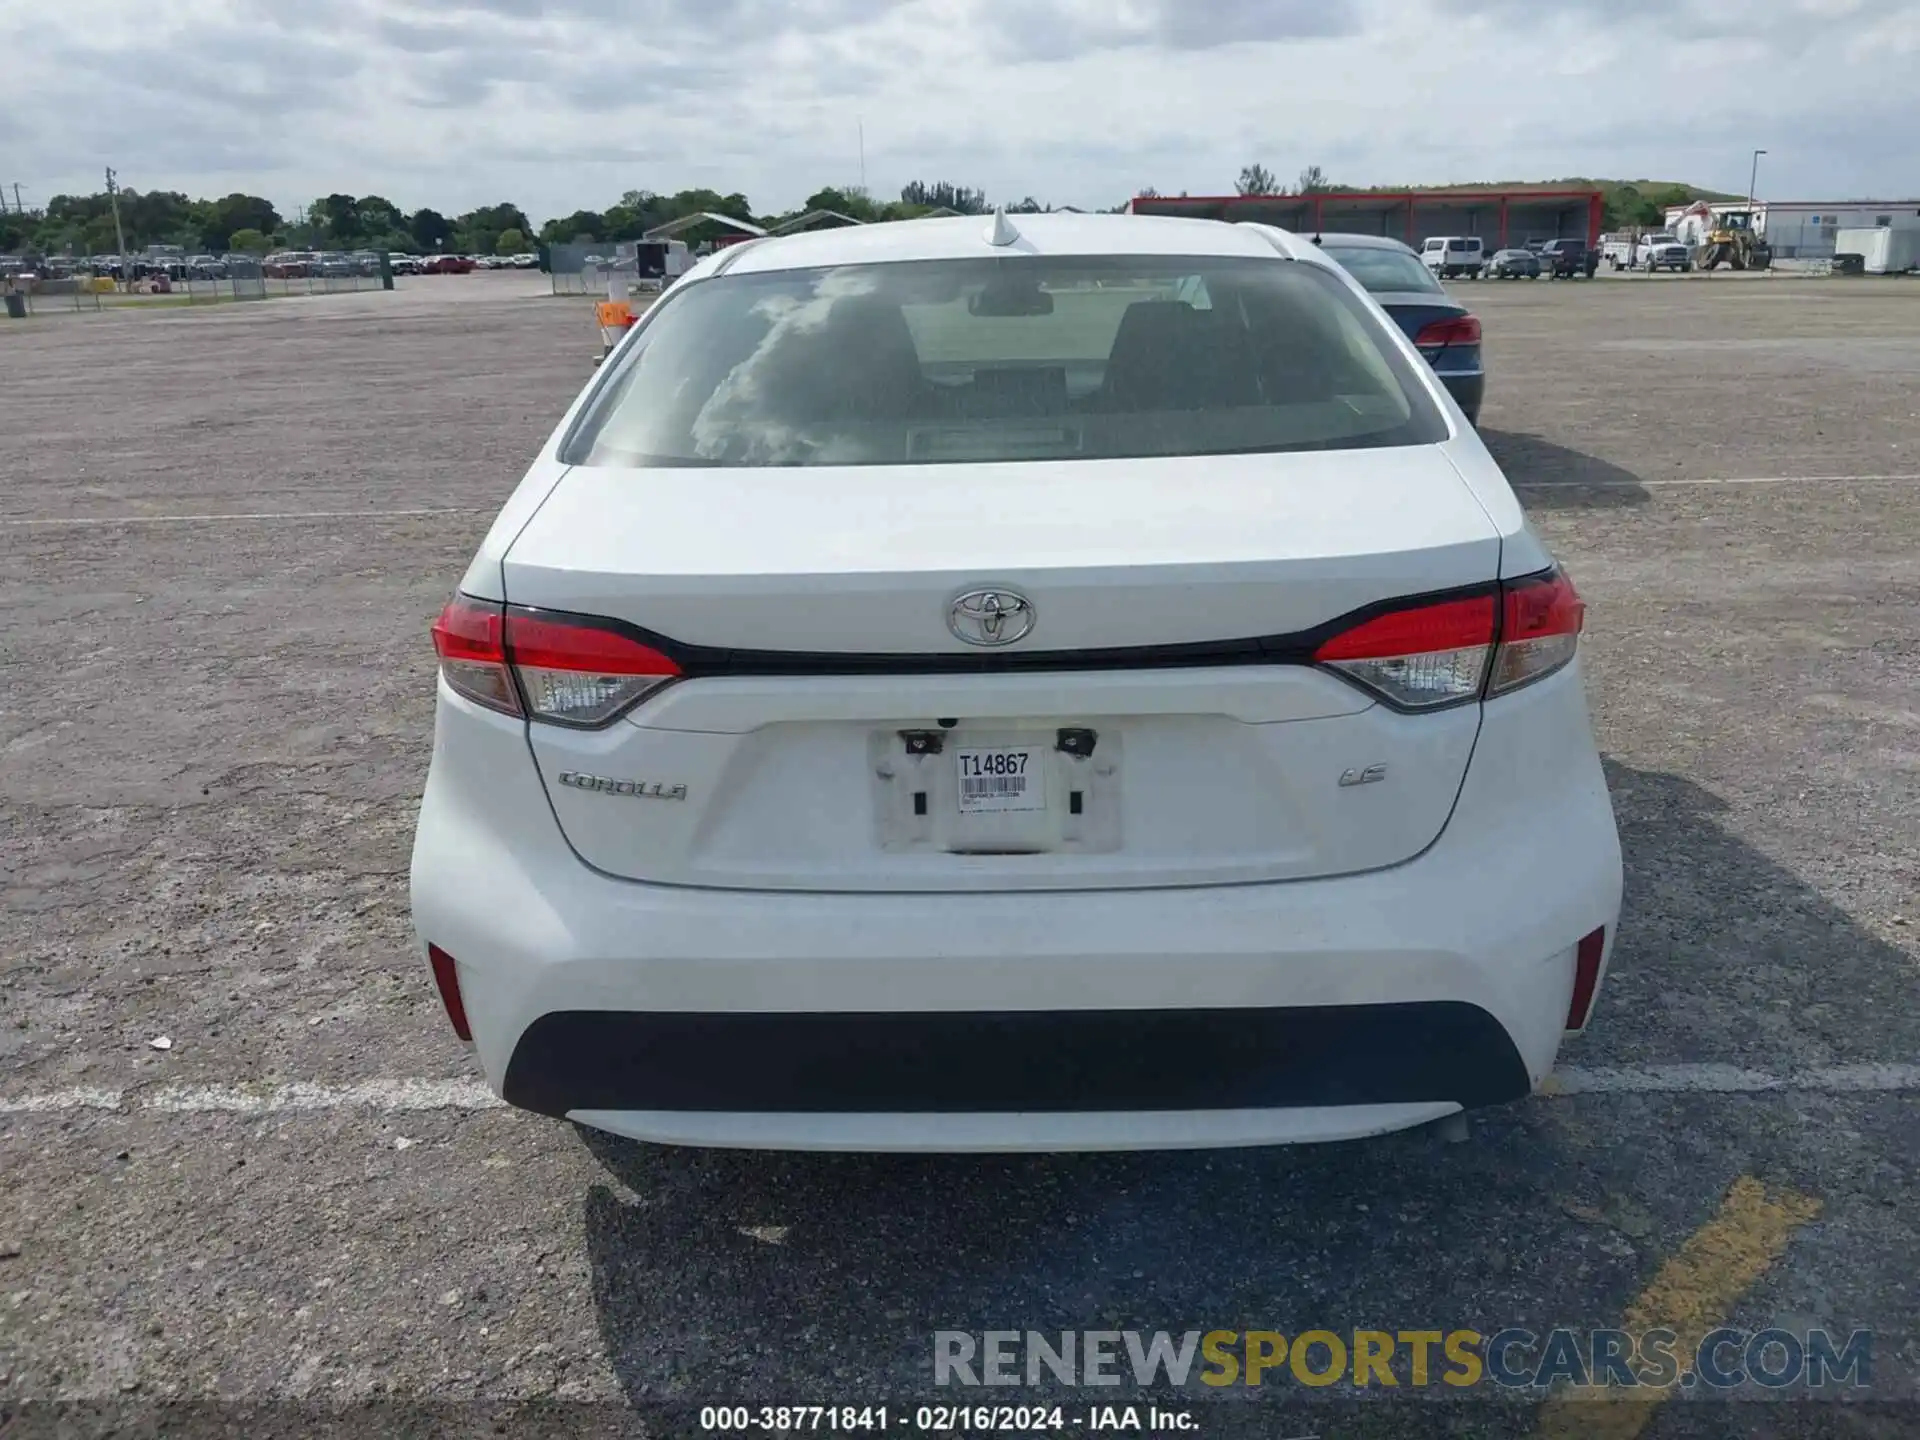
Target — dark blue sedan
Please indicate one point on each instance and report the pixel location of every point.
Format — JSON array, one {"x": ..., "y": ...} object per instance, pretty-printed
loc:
[{"x": 1445, "y": 331}]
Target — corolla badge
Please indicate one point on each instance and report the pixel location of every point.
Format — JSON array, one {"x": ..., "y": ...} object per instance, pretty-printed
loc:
[
  {"x": 637, "y": 789},
  {"x": 991, "y": 617}
]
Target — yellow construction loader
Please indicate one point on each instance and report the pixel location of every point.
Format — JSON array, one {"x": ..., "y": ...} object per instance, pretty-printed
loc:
[{"x": 1731, "y": 240}]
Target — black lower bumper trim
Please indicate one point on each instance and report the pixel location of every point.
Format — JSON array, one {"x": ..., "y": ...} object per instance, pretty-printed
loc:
[
  {"x": 1071, "y": 1060},
  {"x": 1468, "y": 389}
]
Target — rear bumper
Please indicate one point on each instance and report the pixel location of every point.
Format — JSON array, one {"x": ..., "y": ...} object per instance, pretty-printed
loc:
[
  {"x": 1468, "y": 388},
  {"x": 1071, "y": 1061},
  {"x": 1238, "y": 1014}
]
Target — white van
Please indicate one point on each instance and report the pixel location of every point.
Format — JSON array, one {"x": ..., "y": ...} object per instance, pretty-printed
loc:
[{"x": 1449, "y": 256}]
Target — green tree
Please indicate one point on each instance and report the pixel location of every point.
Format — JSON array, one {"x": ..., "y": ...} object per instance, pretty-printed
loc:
[
  {"x": 511, "y": 242},
  {"x": 430, "y": 230},
  {"x": 247, "y": 242},
  {"x": 1313, "y": 181},
  {"x": 628, "y": 218},
  {"x": 1256, "y": 179},
  {"x": 628, "y": 222},
  {"x": 477, "y": 231},
  {"x": 391, "y": 242},
  {"x": 236, "y": 212},
  {"x": 850, "y": 200},
  {"x": 944, "y": 195},
  {"x": 339, "y": 217},
  {"x": 583, "y": 227},
  {"x": 378, "y": 215},
  {"x": 99, "y": 237},
  {"x": 159, "y": 217},
  {"x": 694, "y": 202}
]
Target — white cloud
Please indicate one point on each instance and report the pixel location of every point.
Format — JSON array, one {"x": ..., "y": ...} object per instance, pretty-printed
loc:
[{"x": 562, "y": 104}]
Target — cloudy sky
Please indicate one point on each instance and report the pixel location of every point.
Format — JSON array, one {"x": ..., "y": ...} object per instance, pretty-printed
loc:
[{"x": 563, "y": 104}]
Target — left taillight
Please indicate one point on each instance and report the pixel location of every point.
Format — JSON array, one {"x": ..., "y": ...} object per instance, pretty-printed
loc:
[
  {"x": 565, "y": 669},
  {"x": 1421, "y": 657}
]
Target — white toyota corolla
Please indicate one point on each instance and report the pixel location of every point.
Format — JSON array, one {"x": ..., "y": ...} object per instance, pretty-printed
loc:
[{"x": 1047, "y": 682}]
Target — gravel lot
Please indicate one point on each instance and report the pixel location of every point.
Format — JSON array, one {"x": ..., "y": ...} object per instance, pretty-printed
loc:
[{"x": 224, "y": 536}]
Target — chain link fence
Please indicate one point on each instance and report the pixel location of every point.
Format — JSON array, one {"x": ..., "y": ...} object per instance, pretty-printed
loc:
[
  {"x": 590, "y": 269},
  {"x": 100, "y": 283},
  {"x": 22, "y": 295}
]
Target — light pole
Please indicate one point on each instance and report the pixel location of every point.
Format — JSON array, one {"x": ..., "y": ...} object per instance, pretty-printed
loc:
[
  {"x": 119, "y": 233},
  {"x": 1753, "y": 181}
]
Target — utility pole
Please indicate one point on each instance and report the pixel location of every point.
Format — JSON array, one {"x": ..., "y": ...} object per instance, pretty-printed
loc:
[
  {"x": 119, "y": 233},
  {"x": 18, "y": 208},
  {"x": 1753, "y": 184}
]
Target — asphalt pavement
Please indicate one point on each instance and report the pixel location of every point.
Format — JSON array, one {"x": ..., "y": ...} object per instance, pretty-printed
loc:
[{"x": 224, "y": 535}]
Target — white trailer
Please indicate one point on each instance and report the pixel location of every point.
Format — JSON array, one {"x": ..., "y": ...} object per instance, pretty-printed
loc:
[{"x": 1885, "y": 250}]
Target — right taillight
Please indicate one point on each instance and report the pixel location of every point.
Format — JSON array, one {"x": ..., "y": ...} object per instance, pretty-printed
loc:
[
  {"x": 1454, "y": 330},
  {"x": 577, "y": 670},
  {"x": 1427, "y": 655},
  {"x": 470, "y": 639},
  {"x": 1540, "y": 624},
  {"x": 573, "y": 670}
]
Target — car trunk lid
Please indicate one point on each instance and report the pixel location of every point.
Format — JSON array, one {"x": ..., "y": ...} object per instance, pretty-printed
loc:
[{"x": 835, "y": 732}]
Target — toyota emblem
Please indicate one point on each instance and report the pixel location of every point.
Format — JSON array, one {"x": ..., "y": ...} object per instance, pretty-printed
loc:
[{"x": 991, "y": 617}]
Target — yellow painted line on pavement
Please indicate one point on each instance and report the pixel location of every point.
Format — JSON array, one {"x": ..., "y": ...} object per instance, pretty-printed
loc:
[{"x": 1692, "y": 1294}]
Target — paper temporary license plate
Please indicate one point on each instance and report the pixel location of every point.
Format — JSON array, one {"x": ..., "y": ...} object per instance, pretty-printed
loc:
[{"x": 1012, "y": 778}]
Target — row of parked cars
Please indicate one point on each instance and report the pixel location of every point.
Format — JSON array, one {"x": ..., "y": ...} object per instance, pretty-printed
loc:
[
  {"x": 297, "y": 264},
  {"x": 281, "y": 265},
  {"x": 460, "y": 264},
  {"x": 302, "y": 264},
  {"x": 140, "y": 267},
  {"x": 1466, "y": 257},
  {"x": 179, "y": 266}
]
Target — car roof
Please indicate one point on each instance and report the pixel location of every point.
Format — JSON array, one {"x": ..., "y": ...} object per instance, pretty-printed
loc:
[
  {"x": 1367, "y": 242},
  {"x": 966, "y": 237}
]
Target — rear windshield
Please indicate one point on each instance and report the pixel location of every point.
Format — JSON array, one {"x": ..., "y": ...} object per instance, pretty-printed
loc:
[
  {"x": 1022, "y": 358},
  {"x": 1386, "y": 272},
  {"x": 1463, "y": 244}
]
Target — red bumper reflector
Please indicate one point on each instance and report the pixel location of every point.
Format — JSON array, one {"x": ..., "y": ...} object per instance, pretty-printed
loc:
[
  {"x": 1586, "y": 976},
  {"x": 448, "y": 979}
]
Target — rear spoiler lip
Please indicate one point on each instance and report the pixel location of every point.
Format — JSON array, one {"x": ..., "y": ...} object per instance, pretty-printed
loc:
[{"x": 1298, "y": 648}]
